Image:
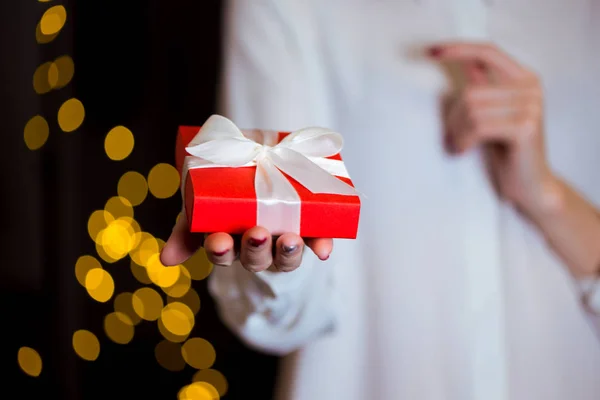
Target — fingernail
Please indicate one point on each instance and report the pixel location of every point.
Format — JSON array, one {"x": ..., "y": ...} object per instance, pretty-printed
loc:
[
  {"x": 289, "y": 249},
  {"x": 325, "y": 258},
  {"x": 434, "y": 51},
  {"x": 220, "y": 253},
  {"x": 257, "y": 242}
]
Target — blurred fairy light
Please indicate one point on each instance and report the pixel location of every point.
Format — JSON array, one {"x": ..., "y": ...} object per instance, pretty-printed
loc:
[
  {"x": 70, "y": 115},
  {"x": 198, "y": 391},
  {"x": 118, "y": 143},
  {"x": 163, "y": 181},
  {"x": 29, "y": 361},
  {"x": 123, "y": 304},
  {"x": 86, "y": 345},
  {"x": 147, "y": 303},
  {"x": 36, "y": 132},
  {"x": 133, "y": 187},
  {"x": 198, "y": 353},
  {"x": 214, "y": 378},
  {"x": 168, "y": 355},
  {"x": 53, "y": 20},
  {"x": 99, "y": 285},
  {"x": 119, "y": 327}
]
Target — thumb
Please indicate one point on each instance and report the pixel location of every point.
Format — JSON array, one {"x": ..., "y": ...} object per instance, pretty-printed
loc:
[{"x": 181, "y": 245}]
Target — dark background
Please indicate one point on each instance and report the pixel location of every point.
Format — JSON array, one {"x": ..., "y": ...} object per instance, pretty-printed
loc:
[{"x": 148, "y": 65}]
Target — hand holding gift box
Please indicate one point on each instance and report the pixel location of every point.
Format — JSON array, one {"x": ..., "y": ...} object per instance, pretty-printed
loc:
[{"x": 289, "y": 184}]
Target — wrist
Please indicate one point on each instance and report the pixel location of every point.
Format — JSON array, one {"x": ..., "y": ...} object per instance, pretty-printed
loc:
[{"x": 550, "y": 203}]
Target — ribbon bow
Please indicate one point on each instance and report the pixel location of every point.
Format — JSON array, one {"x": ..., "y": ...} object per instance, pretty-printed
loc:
[{"x": 302, "y": 155}]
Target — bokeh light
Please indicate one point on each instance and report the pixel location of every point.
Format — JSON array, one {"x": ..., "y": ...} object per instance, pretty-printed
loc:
[
  {"x": 214, "y": 378},
  {"x": 147, "y": 303},
  {"x": 61, "y": 72},
  {"x": 53, "y": 20},
  {"x": 168, "y": 355},
  {"x": 70, "y": 115},
  {"x": 30, "y": 361},
  {"x": 118, "y": 327},
  {"x": 147, "y": 248},
  {"x": 190, "y": 299},
  {"x": 170, "y": 336},
  {"x": 118, "y": 143},
  {"x": 84, "y": 265},
  {"x": 99, "y": 285},
  {"x": 118, "y": 207},
  {"x": 177, "y": 318},
  {"x": 41, "y": 78},
  {"x": 198, "y": 391},
  {"x": 198, "y": 265},
  {"x": 124, "y": 304},
  {"x": 181, "y": 286},
  {"x": 41, "y": 38},
  {"x": 139, "y": 273},
  {"x": 36, "y": 132},
  {"x": 133, "y": 187},
  {"x": 86, "y": 345},
  {"x": 97, "y": 222},
  {"x": 160, "y": 274},
  {"x": 163, "y": 181},
  {"x": 198, "y": 353}
]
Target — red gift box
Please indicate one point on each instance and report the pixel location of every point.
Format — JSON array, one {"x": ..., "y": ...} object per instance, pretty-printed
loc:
[{"x": 224, "y": 199}]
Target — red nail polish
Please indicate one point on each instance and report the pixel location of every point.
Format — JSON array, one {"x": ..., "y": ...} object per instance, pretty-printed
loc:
[
  {"x": 220, "y": 253},
  {"x": 257, "y": 242},
  {"x": 434, "y": 51}
]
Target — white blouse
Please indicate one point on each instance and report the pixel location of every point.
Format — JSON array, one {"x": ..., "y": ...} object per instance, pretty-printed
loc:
[{"x": 447, "y": 294}]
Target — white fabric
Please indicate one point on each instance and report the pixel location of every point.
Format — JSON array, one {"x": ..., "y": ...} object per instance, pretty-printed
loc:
[{"x": 448, "y": 294}]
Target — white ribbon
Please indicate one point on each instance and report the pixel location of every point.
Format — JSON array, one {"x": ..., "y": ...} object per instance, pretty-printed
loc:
[{"x": 301, "y": 155}]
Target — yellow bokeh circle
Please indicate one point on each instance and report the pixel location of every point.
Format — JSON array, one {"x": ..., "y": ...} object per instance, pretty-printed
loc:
[
  {"x": 163, "y": 181},
  {"x": 161, "y": 275},
  {"x": 147, "y": 303},
  {"x": 213, "y": 377},
  {"x": 198, "y": 265},
  {"x": 168, "y": 355},
  {"x": 198, "y": 391},
  {"x": 36, "y": 132},
  {"x": 139, "y": 273},
  {"x": 190, "y": 299},
  {"x": 170, "y": 336},
  {"x": 86, "y": 345},
  {"x": 84, "y": 265},
  {"x": 119, "y": 207},
  {"x": 41, "y": 78},
  {"x": 30, "y": 361},
  {"x": 71, "y": 115},
  {"x": 53, "y": 20},
  {"x": 148, "y": 247},
  {"x": 118, "y": 327},
  {"x": 198, "y": 353},
  {"x": 177, "y": 318},
  {"x": 61, "y": 72},
  {"x": 124, "y": 305},
  {"x": 117, "y": 239},
  {"x": 41, "y": 38},
  {"x": 118, "y": 143},
  {"x": 133, "y": 187},
  {"x": 99, "y": 285},
  {"x": 181, "y": 286},
  {"x": 97, "y": 222}
]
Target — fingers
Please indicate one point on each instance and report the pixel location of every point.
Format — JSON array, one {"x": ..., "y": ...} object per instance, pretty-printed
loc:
[
  {"x": 288, "y": 252},
  {"x": 220, "y": 249},
  {"x": 256, "y": 252},
  {"x": 321, "y": 247},
  {"x": 181, "y": 245},
  {"x": 492, "y": 57}
]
